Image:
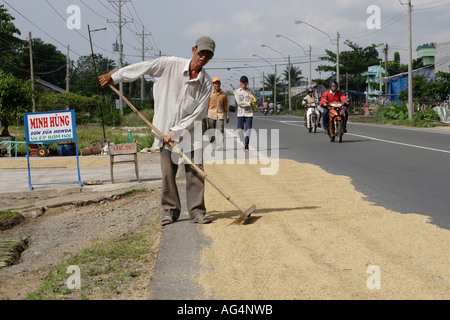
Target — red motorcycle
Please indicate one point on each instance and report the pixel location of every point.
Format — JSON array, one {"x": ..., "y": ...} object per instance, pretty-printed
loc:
[{"x": 336, "y": 118}]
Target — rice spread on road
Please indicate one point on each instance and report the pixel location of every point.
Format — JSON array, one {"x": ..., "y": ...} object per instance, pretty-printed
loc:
[{"x": 313, "y": 236}]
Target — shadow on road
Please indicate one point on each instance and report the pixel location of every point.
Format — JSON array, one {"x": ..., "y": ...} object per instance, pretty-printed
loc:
[{"x": 233, "y": 214}]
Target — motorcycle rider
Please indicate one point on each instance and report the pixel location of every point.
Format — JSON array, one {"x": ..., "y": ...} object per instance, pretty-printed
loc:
[
  {"x": 333, "y": 96},
  {"x": 265, "y": 106},
  {"x": 310, "y": 98}
]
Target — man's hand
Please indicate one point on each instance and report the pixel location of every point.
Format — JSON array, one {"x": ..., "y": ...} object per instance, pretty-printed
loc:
[
  {"x": 169, "y": 137},
  {"x": 228, "y": 119},
  {"x": 106, "y": 79}
]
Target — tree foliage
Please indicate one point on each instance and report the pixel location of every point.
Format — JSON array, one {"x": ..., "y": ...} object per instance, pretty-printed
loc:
[
  {"x": 10, "y": 45},
  {"x": 296, "y": 75},
  {"x": 429, "y": 92},
  {"x": 49, "y": 63},
  {"x": 15, "y": 98},
  {"x": 354, "y": 62}
]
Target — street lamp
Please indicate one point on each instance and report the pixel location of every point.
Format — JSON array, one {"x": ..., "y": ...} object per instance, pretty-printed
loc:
[
  {"x": 310, "y": 70},
  {"x": 331, "y": 40},
  {"x": 274, "y": 80},
  {"x": 289, "y": 74}
]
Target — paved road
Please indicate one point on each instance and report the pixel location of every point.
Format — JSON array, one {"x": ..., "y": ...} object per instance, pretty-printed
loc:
[{"x": 402, "y": 169}]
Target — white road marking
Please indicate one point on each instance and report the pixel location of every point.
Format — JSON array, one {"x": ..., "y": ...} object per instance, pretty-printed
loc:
[
  {"x": 399, "y": 143},
  {"x": 370, "y": 138}
]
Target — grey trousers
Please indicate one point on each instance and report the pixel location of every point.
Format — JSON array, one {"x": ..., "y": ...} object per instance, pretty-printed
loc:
[
  {"x": 195, "y": 187},
  {"x": 218, "y": 124}
]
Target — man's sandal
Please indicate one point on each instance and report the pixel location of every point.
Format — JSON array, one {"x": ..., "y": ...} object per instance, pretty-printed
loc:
[
  {"x": 201, "y": 219},
  {"x": 166, "y": 220}
]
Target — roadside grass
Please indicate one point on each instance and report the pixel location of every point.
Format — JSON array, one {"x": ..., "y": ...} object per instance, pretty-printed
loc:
[
  {"x": 8, "y": 214},
  {"x": 10, "y": 218},
  {"x": 105, "y": 268},
  {"x": 135, "y": 191}
]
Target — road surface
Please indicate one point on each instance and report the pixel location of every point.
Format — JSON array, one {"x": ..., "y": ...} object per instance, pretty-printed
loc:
[{"x": 402, "y": 169}]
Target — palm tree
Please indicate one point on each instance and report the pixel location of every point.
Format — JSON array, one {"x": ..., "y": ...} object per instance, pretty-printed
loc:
[
  {"x": 269, "y": 81},
  {"x": 296, "y": 76}
]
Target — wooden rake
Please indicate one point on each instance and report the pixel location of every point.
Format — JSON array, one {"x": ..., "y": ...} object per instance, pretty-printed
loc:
[{"x": 244, "y": 213}]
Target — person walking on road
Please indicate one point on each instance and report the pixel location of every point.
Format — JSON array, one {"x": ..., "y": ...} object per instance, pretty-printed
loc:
[
  {"x": 181, "y": 91},
  {"x": 218, "y": 111},
  {"x": 245, "y": 100}
]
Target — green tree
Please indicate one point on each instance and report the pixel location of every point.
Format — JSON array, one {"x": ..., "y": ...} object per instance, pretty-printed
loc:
[
  {"x": 396, "y": 67},
  {"x": 354, "y": 62},
  {"x": 10, "y": 45},
  {"x": 439, "y": 89},
  {"x": 269, "y": 81},
  {"x": 82, "y": 105},
  {"x": 83, "y": 78},
  {"x": 49, "y": 63},
  {"x": 15, "y": 97},
  {"x": 296, "y": 75}
]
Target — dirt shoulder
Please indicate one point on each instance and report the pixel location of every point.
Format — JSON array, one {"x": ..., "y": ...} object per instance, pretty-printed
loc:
[{"x": 69, "y": 231}]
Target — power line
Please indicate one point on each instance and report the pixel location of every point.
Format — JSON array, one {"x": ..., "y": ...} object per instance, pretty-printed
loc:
[
  {"x": 93, "y": 10},
  {"x": 39, "y": 27},
  {"x": 78, "y": 32}
]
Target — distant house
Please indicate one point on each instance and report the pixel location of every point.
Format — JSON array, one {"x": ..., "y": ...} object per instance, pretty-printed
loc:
[
  {"x": 399, "y": 81},
  {"x": 442, "y": 58},
  {"x": 373, "y": 75},
  {"x": 430, "y": 59},
  {"x": 427, "y": 54}
]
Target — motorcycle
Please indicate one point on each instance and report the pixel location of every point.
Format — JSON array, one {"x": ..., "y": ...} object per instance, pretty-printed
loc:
[
  {"x": 313, "y": 120},
  {"x": 336, "y": 122},
  {"x": 266, "y": 110},
  {"x": 272, "y": 110}
]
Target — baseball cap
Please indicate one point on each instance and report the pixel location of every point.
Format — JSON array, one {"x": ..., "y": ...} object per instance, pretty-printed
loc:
[
  {"x": 216, "y": 79},
  {"x": 205, "y": 43}
]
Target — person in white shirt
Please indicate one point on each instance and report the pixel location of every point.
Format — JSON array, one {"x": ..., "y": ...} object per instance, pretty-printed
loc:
[
  {"x": 244, "y": 99},
  {"x": 181, "y": 91}
]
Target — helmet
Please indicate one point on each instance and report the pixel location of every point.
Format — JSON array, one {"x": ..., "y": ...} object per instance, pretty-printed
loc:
[
  {"x": 334, "y": 83},
  {"x": 310, "y": 90}
]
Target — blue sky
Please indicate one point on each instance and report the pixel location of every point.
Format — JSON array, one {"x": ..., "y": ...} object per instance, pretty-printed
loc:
[{"x": 239, "y": 28}]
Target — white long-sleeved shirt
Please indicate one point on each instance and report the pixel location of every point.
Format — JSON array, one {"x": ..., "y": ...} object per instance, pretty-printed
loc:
[
  {"x": 245, "y": 108},
  {"x": 180, "y": 103}
]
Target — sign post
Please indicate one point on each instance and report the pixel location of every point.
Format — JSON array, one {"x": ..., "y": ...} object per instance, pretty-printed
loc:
[{"x": 48, "y": 127}]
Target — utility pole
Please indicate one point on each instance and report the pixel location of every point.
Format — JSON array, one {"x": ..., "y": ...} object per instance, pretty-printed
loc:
[
  {"x": 143, "y": 51},
  {"x": 289, "y": 87},
  {"x": 96, "y": 77},
  {"x": 67, "y": 69},
  {"x": 410, "y": 66},
  {"x": 120, "y": 24},
  {"x": 386, "y": 82},
  {"x": 275, "y": 88},
  {"x": 337, "y": 59},
  {"x": 310, "y": 71},
  {"x": 67, "y": 72},
  {"x": 30, "y": 43},
  {"x": 264, "y": 89}
]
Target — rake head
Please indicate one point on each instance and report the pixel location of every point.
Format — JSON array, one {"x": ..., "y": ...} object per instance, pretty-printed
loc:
[{"x": 244, "y": 215}]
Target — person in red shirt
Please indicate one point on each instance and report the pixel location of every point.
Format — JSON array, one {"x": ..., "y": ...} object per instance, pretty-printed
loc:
[{"x": 333, "y": 96}]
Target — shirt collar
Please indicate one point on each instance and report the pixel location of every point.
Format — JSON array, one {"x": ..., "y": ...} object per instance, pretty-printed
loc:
[{"x": 200, "y": 76}]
